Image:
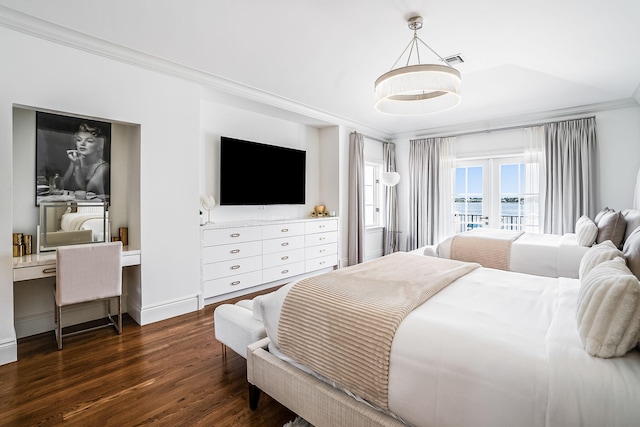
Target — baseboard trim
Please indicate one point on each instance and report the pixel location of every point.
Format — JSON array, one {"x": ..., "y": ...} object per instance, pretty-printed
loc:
[
  {"x": 8, "y": 350},
  {"x": 164, "y": 310}
]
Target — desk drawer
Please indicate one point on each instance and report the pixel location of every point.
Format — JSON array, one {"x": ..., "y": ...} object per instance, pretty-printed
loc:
[
  {"x": 232, "y": 283},
  {"x": 283, "y": 244},
  {"x": 223, "y": 236},
  {"x": 35, "y": 272},
  {"x": 217, "y": 270},
  {"x": 232, "y": 251}
]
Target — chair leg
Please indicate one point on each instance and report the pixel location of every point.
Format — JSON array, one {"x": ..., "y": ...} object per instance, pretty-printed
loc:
[
  {"x": 58, "y": 326},
  {"x": 119, "y": 327}
]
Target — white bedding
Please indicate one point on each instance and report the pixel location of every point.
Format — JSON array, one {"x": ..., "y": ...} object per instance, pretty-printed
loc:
[
  {"x": 498, "y": 348},
  {"x": 547, "y": 255},
  {"x": 74, "y": 221}
]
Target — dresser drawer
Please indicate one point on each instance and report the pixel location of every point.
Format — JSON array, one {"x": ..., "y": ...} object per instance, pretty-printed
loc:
[
  {"x": 320, "y": 226},
  {"x": 282, "y": 272},
  {"x": 282, "y": 230},
  {"x": 320, "y": 250},
  {"x": 283, "y": 244},
  {"x": 217, "y": 270},
  {"x": 321, "y": 238},
  {"x": 225, "y": 285},
  {"x": 322, "y": 262},
  {"x": 231, "y": 251},
  {"x": 281, "y": 258},
  {"x": 223, "y": 236}
]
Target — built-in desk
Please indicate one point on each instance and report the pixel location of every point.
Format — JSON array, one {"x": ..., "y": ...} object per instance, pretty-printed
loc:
[{"x": 37, "y": 266}]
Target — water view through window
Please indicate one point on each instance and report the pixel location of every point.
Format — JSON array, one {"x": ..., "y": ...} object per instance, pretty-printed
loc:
[{"x": 505, "y": 202}]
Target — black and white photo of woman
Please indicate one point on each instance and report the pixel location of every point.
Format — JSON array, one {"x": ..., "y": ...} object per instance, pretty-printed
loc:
[{"x": 87, "y": 169}]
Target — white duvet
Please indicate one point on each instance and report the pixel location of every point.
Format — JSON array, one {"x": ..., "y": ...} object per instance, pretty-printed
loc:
[
  {"x": 549, "y": 255},
  {"x": 498, "y": 348}
]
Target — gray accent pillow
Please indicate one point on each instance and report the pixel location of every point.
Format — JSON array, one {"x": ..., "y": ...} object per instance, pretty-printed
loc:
[
  {"x": 604, "y": 210},
  {"x": 632, "y": 218},
  {"x": 608, "y": 310},
  {"x": 631, "y": 252},
  {"x": 611, "y": 227}
]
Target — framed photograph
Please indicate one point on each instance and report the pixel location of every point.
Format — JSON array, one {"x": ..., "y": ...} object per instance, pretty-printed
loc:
[{"x": 73, "y": 159}]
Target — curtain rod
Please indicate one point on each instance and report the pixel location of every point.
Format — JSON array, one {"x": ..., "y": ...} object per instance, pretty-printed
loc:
[
  {"x": 473, "y": 132},
  {"x": 371, "y": 137}
]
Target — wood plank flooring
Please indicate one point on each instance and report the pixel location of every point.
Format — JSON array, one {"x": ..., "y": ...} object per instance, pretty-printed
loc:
[{"x": 169, "y": 373}]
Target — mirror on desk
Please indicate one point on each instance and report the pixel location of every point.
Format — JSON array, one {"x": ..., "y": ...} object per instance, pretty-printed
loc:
[{"x": 72, "y": 223}]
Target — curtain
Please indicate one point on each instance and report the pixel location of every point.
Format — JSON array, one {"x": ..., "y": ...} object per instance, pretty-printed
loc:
[
  {"x": 391, "y": 202},
  {"x": 534, "y": 166},
  {"x": 430, "y": 182},
  {"x": 570, "y": 173},
  {"x": 356, "y": 199}
]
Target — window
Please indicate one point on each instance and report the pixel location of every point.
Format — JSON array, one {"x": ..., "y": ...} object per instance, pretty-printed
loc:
[
  {"x": 372, "y": 195},
  {"x": 496, "y": 193}
]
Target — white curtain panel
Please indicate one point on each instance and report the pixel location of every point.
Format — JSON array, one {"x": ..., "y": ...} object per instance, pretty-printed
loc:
[
  {"x": 534, "y": 180},
  {"x": 356, "y": 199},
  {"x": 391, "y": 201},
  {"x": 570, "y": 174},
  {"x": 431, "y": 165}
]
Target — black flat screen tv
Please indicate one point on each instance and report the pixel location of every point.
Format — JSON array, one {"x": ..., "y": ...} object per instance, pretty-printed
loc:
[{"x": 252, "y": 173}]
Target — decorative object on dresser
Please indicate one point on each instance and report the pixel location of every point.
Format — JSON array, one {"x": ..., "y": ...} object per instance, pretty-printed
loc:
[
  {"x": 208, "y": 203},
  {"x": 236, "y": 256}
]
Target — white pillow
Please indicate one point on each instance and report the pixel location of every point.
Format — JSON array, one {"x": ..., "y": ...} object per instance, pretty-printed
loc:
[
  {"x": 608, "y": 310},
  {"x": 596, "y": 254},
  {"x": 586, "y": 231}
]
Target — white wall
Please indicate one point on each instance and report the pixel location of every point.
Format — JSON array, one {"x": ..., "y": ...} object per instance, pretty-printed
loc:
[
  {"x": 44, "y": 75},
  {"x": 219, "y": 120}
]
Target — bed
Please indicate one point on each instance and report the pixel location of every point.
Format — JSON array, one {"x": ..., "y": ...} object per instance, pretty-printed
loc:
[
  {"x": 549, "y": 255},
  {"x": 490, "y": 348}
]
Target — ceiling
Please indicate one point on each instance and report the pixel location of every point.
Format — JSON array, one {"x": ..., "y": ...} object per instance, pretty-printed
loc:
[{"x": 320, "y": 58}]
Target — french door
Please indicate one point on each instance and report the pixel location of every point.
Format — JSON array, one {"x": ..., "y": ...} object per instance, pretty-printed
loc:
[{"x": 494, "y": 193}]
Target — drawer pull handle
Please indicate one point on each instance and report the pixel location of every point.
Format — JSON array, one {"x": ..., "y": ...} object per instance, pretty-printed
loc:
[
  {"x": 285, "y": 230},
  {"x": 323, "y": 262},
  {"x": 285, "y": 271},
  {"x": 322, "y": 238},
  {"x": 237, "y": 282},
  {"x": 284, "y": 257},
  {"x": 322, "y": 226},
  {"x": 235, "y": 235},
  {"x": 235, "y": 267},
  {"x": 49, "y": 270},
  {"x": 285, "y": 244},
  {"x": 235, "y": 251},
  {"x": 322, "y": 250}
]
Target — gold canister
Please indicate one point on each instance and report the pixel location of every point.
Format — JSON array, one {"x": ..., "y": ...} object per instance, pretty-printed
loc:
[
  {"x": 124, "y": 235},
  {"x": 18, "y": 250},
  {"x": 27, "y": 244},
  {"x": 17, "y": 238},
  {"x": 115, "y": 238}
]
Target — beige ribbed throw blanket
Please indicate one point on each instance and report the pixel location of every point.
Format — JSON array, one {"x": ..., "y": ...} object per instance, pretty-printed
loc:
[
  {"x": 341, "y": 324},
  {"x": 490, "y": 248}
]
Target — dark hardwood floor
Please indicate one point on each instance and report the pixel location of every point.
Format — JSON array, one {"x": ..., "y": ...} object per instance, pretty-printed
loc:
[{"x": 167, "y": 373}]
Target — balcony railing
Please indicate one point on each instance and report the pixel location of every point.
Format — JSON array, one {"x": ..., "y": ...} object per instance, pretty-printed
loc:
[{"x": 466, "y": 222}]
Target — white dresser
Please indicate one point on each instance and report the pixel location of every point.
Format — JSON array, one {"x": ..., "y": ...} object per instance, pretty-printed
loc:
[{"x": 238, "y": 256}]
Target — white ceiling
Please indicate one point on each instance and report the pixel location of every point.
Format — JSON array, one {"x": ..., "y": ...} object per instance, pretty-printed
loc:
[{"x": 322, "y": 57}]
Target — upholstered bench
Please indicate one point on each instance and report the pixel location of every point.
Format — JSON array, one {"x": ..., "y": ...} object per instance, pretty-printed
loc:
[{"x": 235, "y": 326}]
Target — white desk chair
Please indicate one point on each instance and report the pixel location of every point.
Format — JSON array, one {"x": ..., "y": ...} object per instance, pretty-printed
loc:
[{"x": 88, "y": 272}]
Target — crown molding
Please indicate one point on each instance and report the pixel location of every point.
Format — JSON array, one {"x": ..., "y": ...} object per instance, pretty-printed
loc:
[
  {"x": 522, "y": 120},
  {"x": 27, "y": 24}
]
